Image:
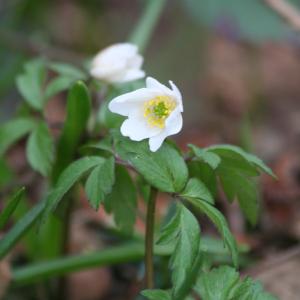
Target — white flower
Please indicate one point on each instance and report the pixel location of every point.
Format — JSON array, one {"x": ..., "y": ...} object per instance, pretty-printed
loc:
[
  {"x": 118, "y": 63},
  {"x": 153, "y": 112}
]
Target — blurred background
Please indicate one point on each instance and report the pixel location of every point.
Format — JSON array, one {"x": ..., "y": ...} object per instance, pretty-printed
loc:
[{"x": 237, "y": 64}]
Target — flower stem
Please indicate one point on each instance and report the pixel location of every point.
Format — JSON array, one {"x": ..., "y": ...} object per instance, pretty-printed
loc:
[
  {"x": 149, "y": 274},
  {"x": 143, "y": 30}
]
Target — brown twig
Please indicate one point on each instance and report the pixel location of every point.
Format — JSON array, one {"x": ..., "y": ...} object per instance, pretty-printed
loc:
[{"x": 287, "y": 11}]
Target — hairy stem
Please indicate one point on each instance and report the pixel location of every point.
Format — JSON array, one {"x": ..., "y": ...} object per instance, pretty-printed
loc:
[{"x": 149, "y": 274}]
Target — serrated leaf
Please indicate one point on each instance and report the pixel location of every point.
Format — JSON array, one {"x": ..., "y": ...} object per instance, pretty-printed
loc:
[
  {"x": 185, "y": 230},
  {"x": 212, "y": 159},
  {"x": 197, "y": 189},
  {"x": 78, "y": 112},
  {"x": 205, "y": 173},
  {"x": 10, "y": 207},
  {"x": 30, "y": 83},
  {"x": 235, "y": 172},
  {"x": 218, "y": 219},
  {"x": 156, "y": 295},
  {"x": 254, "y": 160},
  {"x": 217, "y": 284},
  {"x": 224, "y": 283},
  {"x": 122, "y": 201},
  {"x": 14, "y": 130},
  {"x": 100, "y": 182},
  {"x": 40, "y": 149},
  {"x": 242, "y": 188},
  {"x": 165, "y": 169},
  {"x": 68, "y": 178}
]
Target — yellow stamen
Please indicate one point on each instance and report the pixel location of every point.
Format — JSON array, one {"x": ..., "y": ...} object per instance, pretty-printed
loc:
[{"x": 157, "y": 110}]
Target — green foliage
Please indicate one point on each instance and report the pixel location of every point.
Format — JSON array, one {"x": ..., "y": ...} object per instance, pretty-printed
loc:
[
  {"x": 78, "y": 112},
  {"x": 114, "y": 169},
  {"x": 165, "y": 169},
  {"x": 40, "y": 149},
  {"x": 212, "y": 159},
  {"x": 14, "y": 130},
  {"x": 156, "y": 295},
  {"x": 100, "y": 182},
  {"x": 218, "y": 219},
  {"x": 184, "y": 229},
  {"x": 68, "y": 178},
  {"x": 202, "y": 171},
  {"x": 68, "y": 74},
  {"x": 67, "y": 70},
  {"x": 236, "y": 170},
  {"x": 30, "y": 83},
  {"x": 20, "y": 229},
  {"x": 224, "y": 283},
  {"x": 196, "y": 189},
  {"x": 10, "y": 207},
  {"x": 267, "y": 25},
  {"x": 122, "y": 201}
]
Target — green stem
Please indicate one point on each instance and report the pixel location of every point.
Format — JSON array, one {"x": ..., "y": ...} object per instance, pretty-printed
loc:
[
  {"x": 65, "y": 265},
  {"x": 144, "y": 29},
  {"x": 149, "y": 273}
]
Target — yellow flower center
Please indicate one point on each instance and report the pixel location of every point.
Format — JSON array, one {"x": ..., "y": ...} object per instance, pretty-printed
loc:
[{"x": 158, "y": 109}]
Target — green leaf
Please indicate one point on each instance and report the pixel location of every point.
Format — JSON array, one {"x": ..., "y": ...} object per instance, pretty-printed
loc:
[
  {"x": 30, "y": 83},
  {"x": 224, "y": 283},
  {"x": 78, "y": 112},
  {"x": 239, "y": 15},
  {"x": 204, "y": 173},
  {"x": 217, "y": 284},
  {"x": 14, "y": 130},
  {"x": 6, "y": 173},
  {"x": 104, "y": 144},
  {"x": 40, "y": 149},
  {"x": 156, "y": 295},
  {"x": 244, "y": 189},
  {"x": 58, "y": 85},
  {"x": 165, "y": 169},
  {"x": 68, "y": 178},
  {"x": 100, "y": 182},
  {"x": 10, "y": 207},
  {"x": 212, "y": 159},
  {"x": 122, "y": 201},
  {"x": 197, "y": 189},
  {"x": 252, "y": 159},
  {"x": 235, "y": 172},
  {"x": 218, "y": 219},
  {"x": 184, "y": 228},
  {"x": 67, "y": 70},
  {"x": 20, "y": 229}
]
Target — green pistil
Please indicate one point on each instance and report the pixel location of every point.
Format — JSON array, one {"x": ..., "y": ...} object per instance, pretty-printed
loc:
[{"x": 160, "y": 110}]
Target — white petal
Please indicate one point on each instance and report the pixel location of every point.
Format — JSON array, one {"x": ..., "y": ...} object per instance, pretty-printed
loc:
[
  {"x": 136, "y": 62},
  {"x": 121, "y": 50},
  {"x": 104, "y": 71},
  {"x": 173, "y": 126},
  {"x": 129, "y": 75},
  {"x": 152, "y": 83},
  {"x": 125, "y": 103},
  {"x": 137, "y": 129},
  {"x": 174, "y": 122},
  {"x": 177, "y": 94}
]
